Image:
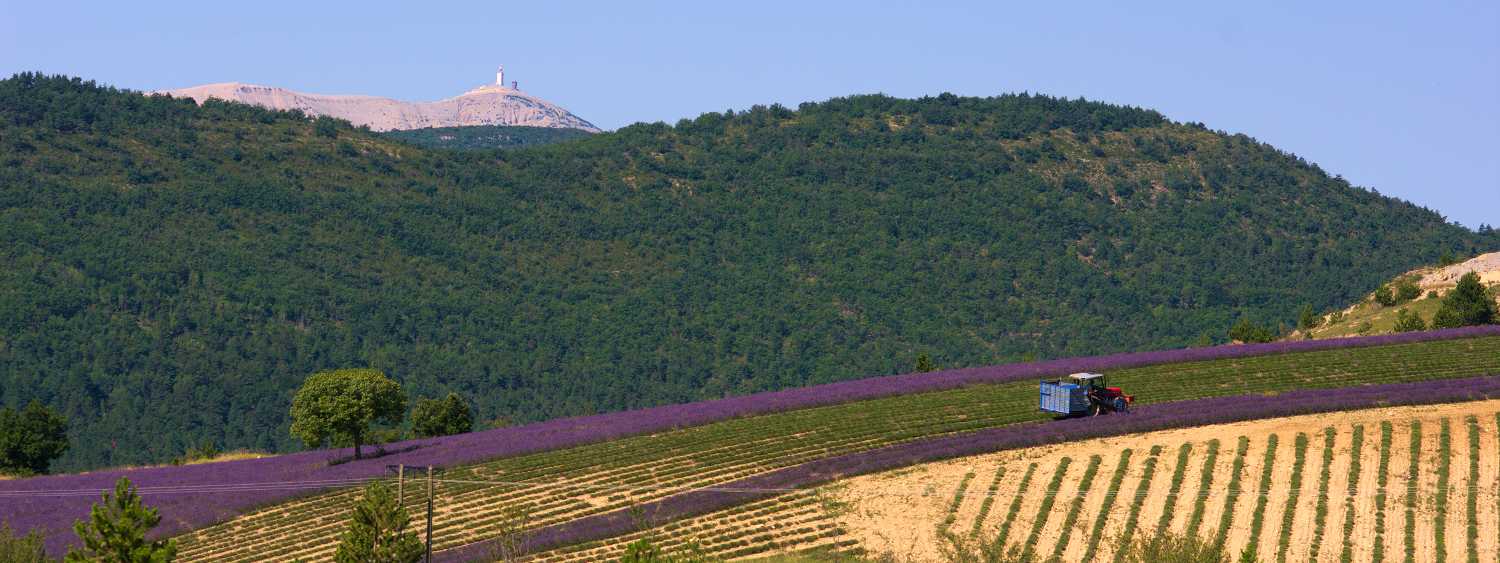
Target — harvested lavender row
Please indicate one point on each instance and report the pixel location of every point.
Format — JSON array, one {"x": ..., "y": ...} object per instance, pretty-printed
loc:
[
  {"x": 1147, "y": 418},
  {"x": 223, "y": 490}
]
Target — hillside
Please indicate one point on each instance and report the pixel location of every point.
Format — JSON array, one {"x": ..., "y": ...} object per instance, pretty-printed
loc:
[
  {"x": 583, "y": 479},
  {"x": 1369, "y": 316},
  {"x": 1322, "y": 483},
  {"x": 492, "y": 104},
  {"x": 481, "y": 137},
  {"x": 178, "y": 270}
]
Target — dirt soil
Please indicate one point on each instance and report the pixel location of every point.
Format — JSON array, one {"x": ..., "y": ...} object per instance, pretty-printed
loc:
[{"x": 899, "y": 512}]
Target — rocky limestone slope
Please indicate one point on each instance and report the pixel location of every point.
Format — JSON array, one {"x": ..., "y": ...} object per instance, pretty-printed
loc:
[{"x": 485, "y": 105}]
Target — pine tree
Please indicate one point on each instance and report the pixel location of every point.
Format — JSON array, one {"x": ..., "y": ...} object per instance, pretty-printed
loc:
[
  {"x": 116, "y": 531},
  {"x": 377, "y": 533},
  {"x": 1467, "y": 305}
]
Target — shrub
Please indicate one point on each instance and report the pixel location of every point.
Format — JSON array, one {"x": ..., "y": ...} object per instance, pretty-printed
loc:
[
  {"x": 1409, "y": 321},
  {"x": 1205, "y": 484},
  {"x": 1407, "y": 291},
  {"x": 1172, "y": 548},
  {"x": 1077, "y": 506},
  {"x": 21, "y": 549},
  {"x": 1289, "y": 512},
  {"x": 1377, "y": 553},
  {"x": 1410, "y": 536},
  {"x": 1440, "y": 503},
  {"x": 1320, "y": 514},
  {"x": 1109, "y": 501},
  {"x": 1248, "y": 332},
  {"x": 1356, "y": 447},
  {"x": 1384, "y": 296},
  {"x": 1045, "y": 508}
]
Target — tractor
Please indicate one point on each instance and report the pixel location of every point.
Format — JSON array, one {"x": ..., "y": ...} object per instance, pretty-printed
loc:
[{"x": 1083, "y": 394}]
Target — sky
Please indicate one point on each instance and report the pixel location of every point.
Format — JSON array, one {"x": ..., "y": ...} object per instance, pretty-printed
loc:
[{"x": 1400, "y": 97}]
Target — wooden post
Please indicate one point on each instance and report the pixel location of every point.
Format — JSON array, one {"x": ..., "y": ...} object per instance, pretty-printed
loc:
[
  {"x": 401, "y": 485},
  {"x": 429, "y": 514}
]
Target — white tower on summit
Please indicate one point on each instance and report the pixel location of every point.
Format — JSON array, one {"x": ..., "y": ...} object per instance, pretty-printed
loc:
[{"x": 500, "y": 77}]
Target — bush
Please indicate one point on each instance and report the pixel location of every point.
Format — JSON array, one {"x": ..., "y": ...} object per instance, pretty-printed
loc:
[
  {"x": 1407, "y": 291},
  {"x": 441, "y": 417},
  {"x": 1385, "y": 297},
  {"x": 1409, "y": 321},
  {"x": 21, "y": 549},
  {"x": 1248, "y": 332}
]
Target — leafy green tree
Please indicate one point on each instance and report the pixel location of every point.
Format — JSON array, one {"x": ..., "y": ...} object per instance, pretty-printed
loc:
[
  {"x": 31, "y": 438},
  {"x": 14, "y": 548},
  {"x": 1468, "y": 304},
  {"x": 1308, "y": 318},
  {"x": 442, "y": 417},
  {"x": 377, "y": 531},
  {"x": 1409, "y": 321},
  {"x": 116, "y": 531},
  {"x": 339, "y": 406},
  {"x": 924, "y": 363},
  {"x": 1248, "y": 332}
]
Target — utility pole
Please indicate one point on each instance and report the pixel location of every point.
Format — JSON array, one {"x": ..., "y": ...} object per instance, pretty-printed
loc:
[
  {"x": 429, "y": 514},
  {"x": 401, "y": 485}
]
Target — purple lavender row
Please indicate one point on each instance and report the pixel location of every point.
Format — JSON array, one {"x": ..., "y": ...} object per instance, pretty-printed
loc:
[
  {"x": 1161, "y": 416},
  {"x": 181, "y": 512}
]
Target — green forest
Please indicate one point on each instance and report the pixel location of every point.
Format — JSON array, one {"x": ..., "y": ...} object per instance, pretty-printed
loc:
[
  {"x": 486, "y": 136},
  {"x": 174, "y": 272}
]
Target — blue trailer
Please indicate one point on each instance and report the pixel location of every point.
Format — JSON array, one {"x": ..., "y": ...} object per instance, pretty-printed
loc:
[{"x": 1083, "y": 394}]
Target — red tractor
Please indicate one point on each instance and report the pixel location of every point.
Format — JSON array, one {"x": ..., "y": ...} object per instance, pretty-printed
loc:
[{"x": 1083, "y": 394}]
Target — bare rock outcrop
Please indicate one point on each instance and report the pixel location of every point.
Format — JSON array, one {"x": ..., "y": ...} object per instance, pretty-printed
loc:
[{"x": 485, "y": 105}]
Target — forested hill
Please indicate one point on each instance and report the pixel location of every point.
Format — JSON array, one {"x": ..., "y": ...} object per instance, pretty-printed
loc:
[
  {"x": 476, "y": 137},
  {"x": 173, "y": 272}
]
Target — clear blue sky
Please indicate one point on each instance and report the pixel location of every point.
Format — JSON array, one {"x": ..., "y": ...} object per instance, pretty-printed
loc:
[{"x": 1397, "y": 96}]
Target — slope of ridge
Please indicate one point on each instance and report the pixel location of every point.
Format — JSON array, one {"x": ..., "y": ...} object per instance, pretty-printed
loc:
[
  {"x": 681, "y": 456},
  {"x": 1368, "y": 316},
  {"x": 485, "y": 105},
  {"x": 176, "y": 270},
  {"x": 1204, "y": 482}
]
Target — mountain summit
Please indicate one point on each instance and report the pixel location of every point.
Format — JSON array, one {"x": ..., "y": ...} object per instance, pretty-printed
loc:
[{"x": 492, "y": 104}]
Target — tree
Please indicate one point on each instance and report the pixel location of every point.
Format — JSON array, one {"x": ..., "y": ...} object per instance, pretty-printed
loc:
[
  {"x": 1468, "y": 304},
  {"x": 29, "y": 548},
  {"x": 116, "y": 531},
  {"x": 377, "y": 531},
  {"x": 31, "y": 439},
  {"x": 1409, "y": 321},
  {"x": 441, "y": 417},
  {"x": 1246, "y": 331},
  {"x": 924, "y": 363},
  {"x": 340, "y": 405},
  {"x": 1308, "y": 318}
]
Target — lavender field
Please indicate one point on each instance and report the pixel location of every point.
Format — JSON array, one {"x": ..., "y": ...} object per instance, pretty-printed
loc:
[{"x": 192, "y": 497}]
